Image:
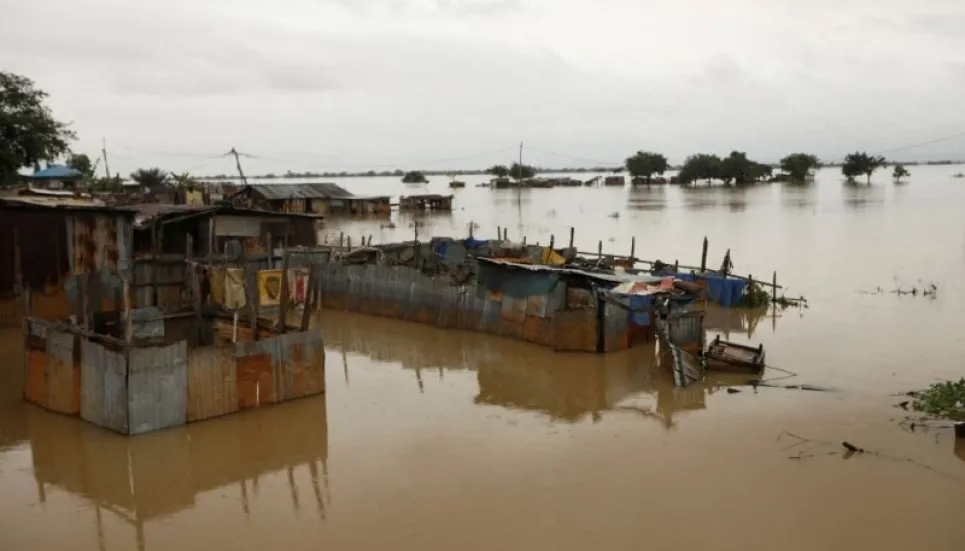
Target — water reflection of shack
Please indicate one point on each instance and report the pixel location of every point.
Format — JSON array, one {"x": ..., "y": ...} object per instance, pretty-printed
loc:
[
  {"x": 325, "y": 199},
  {"x": 429, "y": 202},
  {"x": 119, "y": 328},
  {"x": 146, "y": 479}
]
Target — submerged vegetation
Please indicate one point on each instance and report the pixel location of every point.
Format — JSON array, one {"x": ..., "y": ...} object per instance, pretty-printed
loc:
[{"x": 945, "y": 399}]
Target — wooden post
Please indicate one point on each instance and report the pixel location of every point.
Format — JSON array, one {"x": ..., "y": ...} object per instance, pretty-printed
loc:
[
  {"x": 195, "y": 290},
  {"x": 505, "y": 234},
  {"x": 85, "y": 314},
  {"x": 572, "y": 234},
  {"x": 599, "y": 250},
  {"x": 633, "y": 250},
  {"x": 524, "y": 240},
  {"x": 552, "y": 241},
  {"x": 471, "y": 224},
  {"x": 774, "y": 289},
  {"x": 309, "y": 297},
  {"x": 417, "y": 232},
  {"x": 703, "y": 257},
  {"x": 349, "y": 238},
  {"x": 270, "y": 250},
  {"x": 251, "y": 296},
  {"x": 370, "y": 240},
  {"x": 283, "y": 307},
  {"x": 157, "y": 232},
  {"x": 211, "y": 237},
  {"x": 676, "y": 266},
  {"x": 499, "y": 233},
  {"x": 341, "y": 240}
]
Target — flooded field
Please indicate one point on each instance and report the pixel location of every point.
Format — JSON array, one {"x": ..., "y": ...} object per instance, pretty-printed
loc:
[{"x": 432, "y": 439}]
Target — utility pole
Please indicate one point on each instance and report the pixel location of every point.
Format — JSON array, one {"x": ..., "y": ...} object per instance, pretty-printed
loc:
[
  {"x": 238, "y": 165},
  {"x": 107, "y": 169}
]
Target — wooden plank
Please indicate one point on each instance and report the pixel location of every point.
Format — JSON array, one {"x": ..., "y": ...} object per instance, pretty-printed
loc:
[{"x": 283, "y": 306}]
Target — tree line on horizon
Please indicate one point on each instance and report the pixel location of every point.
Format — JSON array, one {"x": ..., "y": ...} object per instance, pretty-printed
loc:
[{"x": 32, "y": 135}]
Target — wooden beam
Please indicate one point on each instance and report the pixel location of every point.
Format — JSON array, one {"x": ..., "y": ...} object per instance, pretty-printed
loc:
[
  {"x": 283, "y": 306},
  {"x": 309, "y": 297}
]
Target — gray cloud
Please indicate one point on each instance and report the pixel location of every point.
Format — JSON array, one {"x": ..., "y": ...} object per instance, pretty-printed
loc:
[{"x": 339, "y": 83}]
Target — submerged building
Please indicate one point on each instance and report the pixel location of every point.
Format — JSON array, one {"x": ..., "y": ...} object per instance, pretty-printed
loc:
[{"x": 120, "y": 323}]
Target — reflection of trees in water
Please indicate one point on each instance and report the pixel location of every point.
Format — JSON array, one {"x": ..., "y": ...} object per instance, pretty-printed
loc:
[
  {"x": 742, "y": 321},
  {"x": 858, "y": 196},
  {"x": 155, "y": 475},
  {"x": 516, "y": 375}
]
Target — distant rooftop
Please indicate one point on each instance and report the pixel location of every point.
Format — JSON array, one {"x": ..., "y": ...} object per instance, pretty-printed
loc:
[
  {"x": 278, "y": 192},
  {"x": 56, "y": 172}
]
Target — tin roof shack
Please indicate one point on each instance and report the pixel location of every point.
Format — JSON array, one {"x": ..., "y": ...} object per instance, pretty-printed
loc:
[
  {"x": 431, "y": 202},
  {"x": 93, "y": 351},
  {"x": 325, "y": 199}
]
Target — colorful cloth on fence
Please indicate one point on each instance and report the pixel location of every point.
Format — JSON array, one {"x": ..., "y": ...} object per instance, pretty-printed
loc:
[
  {"x": 234, "y": 289},
  {"x": 216, "y": 278},
  {"x": 297, "y": 285},
  {"x": 269, "y": 287}
]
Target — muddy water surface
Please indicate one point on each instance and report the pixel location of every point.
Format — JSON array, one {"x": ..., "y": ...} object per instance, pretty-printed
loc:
[{"x": 428, "y": 439}]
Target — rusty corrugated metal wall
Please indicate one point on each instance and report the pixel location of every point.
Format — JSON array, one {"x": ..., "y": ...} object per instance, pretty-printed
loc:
[
  {"x": 103, "y": 393},
  {"x": 157, "y": 387},
  {"x": 407, "y": 294}
]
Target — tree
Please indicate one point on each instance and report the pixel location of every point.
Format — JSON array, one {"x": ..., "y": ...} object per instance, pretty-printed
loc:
[
  {"x": 150, "y": 177},
  {"x": 738, "y": 168},
  {"x": 414, "y": 177},
  {"x": 900, "y": 172},
  {"x": 113, "y": 184},
  {"x": 645, "y": 165},
  {"x": 859, "y": 162},
  {"x": 29, "y": 133},
  {"x": 81, "y": 163},
  {"x": 701, "y": 166},
  {"x": 499, "y": 171},
  {"x": 521, "y": 172},
  {"x": 799, "y": 166}
]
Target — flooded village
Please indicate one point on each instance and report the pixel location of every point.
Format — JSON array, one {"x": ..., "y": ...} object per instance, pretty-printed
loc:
[
  {"x": 306, "y": 358},
  {"x": 481, "y": 275}
]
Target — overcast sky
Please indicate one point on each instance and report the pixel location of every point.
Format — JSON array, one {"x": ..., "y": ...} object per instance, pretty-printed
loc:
[{"x": 353, "y": 84}]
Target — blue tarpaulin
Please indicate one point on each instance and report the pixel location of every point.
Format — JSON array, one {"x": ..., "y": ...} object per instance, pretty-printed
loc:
[
  {"x": 472, "y": 243},
  {"x": 640, "y": 302},
  {"x": 724, "y": 291}
]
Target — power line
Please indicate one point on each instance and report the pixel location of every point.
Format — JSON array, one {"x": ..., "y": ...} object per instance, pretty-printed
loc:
[{"x": 574, "y": 158}]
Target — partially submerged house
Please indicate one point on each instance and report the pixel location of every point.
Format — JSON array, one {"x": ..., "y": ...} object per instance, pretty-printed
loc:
[
  {"x": 322, "y": 198},
  {"x": 427, "y": 202},
  {"x": 120, "y": 324}
]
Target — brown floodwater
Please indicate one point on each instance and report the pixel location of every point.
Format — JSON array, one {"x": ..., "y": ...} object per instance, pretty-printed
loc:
[{"x": 433, "y": 439}]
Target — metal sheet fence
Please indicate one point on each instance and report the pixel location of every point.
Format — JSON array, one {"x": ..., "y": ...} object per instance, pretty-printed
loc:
[
  {"x": 407, "y": 294},
  {"x": 157, "y": 391}
]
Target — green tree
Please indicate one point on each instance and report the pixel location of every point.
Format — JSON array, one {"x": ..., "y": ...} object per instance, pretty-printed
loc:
[
  {"x": 499, "y": 171},
  {"x": 859, "y": 162},
  {"x": 645, "y": 165},
  {"x": 521, "y": 172},
  {"x": 29, "y": 133},
  {"x": 150, "y": 177},
  {"x": 701, "y": 166},
  {"x": 414, "y": 177},
  {"x": 737, "y": 168},
  {"x": 799, "y": 166},
  {"x": 112, "y": 185},
  {"x": 900, "y": 172},
  {"x": 81, "y": 163}
]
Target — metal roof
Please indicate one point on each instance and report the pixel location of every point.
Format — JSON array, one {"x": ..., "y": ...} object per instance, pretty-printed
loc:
[
  {"x": 56, "y": 172},
  {"x": 277, "y": 192}
]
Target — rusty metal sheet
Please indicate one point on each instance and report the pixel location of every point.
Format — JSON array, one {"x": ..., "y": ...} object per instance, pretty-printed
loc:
[
  {"x": 35, "y": 377},
  {"x": 514, "y": 309},
  {"x": 103, "y": 386},
  {"x": 63, "y": 375},
  {"x": 616, "y": 322},
  {"x": 212, "y": 383},
  {"x": 576, "y": 330},
  {"x": 255, "y": 384},
  {"x": 157, "y": 387}
]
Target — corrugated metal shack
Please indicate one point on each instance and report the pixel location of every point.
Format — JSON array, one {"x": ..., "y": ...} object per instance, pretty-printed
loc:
[
  {"x": 469, "y": 284},
  {"x": 324, "y": 198},
  {"x": 430, "y": 202},
  {"x": 102, "y": 341}
]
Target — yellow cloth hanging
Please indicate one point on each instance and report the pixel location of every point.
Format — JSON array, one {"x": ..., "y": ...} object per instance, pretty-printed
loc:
[
  {"x": 234, "y": 289},
  {"x": 549, "y": 257}
]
